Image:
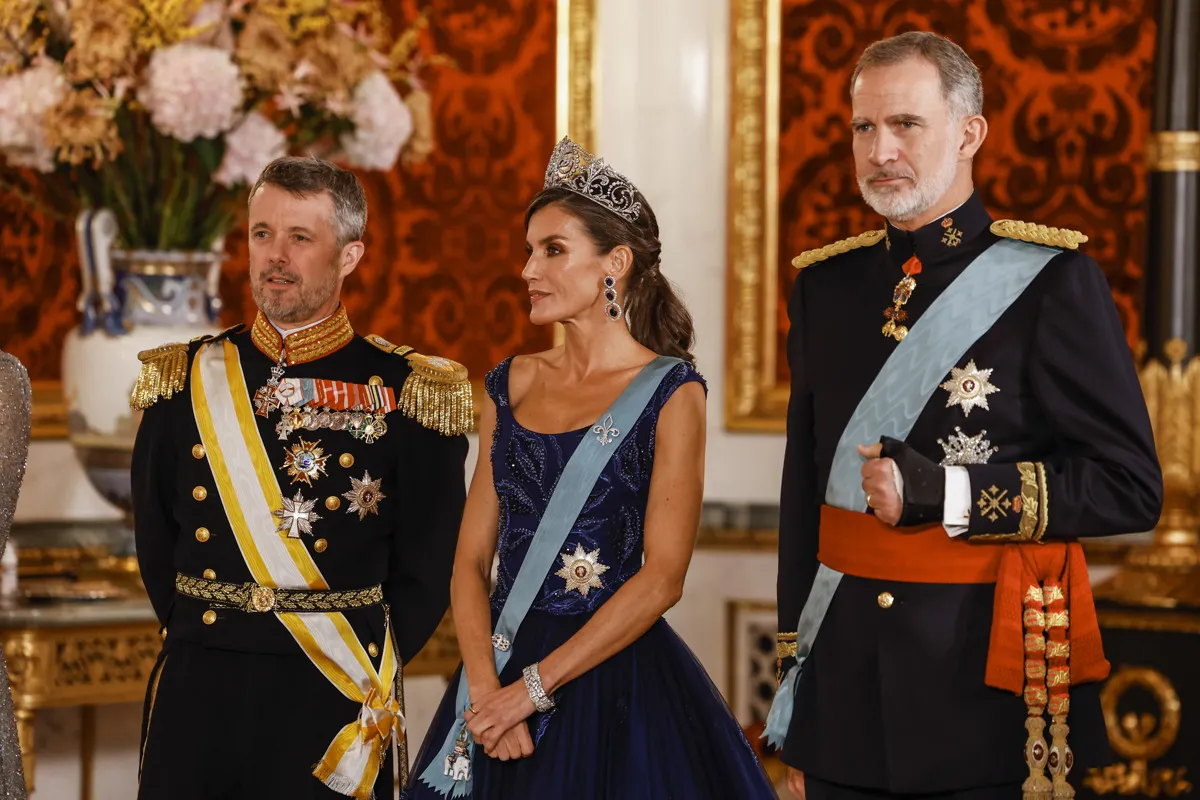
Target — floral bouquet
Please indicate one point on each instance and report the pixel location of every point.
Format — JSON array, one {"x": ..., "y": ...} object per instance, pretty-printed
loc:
[{"x": 164, "y": 111}]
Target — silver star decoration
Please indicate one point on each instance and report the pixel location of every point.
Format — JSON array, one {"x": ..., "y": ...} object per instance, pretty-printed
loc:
[
  {"x": 969, "y": 387},
  {"x": 963, "y": 449},
  {"x": 364, "y": 496},
  {"x": 582, "y": 570},
  {"x": 297, "y": 516}
]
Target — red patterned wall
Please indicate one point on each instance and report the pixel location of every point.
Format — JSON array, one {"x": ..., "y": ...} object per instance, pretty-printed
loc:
[
  {"x": 445, "y": 243},
  {"x": 1067, "y": 94}
]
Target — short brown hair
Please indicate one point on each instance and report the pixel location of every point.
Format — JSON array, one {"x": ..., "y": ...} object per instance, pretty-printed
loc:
[
  {"x": 308, "y": 176},
  {"x": 962, "y": 87}
]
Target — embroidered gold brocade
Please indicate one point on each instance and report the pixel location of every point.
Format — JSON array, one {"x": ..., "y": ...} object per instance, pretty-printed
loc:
[
  {"x": 307, "y": 345},
  {"x": 810, "y": 257},
  {"x": 164, "y": 370},
  {"x": 1034, "y": 507},
  {"x": 1038, "y": 234},
  {"x": 1058, "y": 650},
  {"x": 251, "y": 597}
]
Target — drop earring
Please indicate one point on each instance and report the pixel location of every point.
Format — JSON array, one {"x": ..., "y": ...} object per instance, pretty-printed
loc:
[{"x": 612, "y": 308}]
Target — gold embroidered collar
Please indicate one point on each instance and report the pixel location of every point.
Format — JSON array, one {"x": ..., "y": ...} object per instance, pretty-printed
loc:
[{"x": 309, "y": 344}]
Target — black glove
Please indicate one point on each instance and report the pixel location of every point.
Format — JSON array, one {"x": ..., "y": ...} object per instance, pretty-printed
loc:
[{"x": 924, "y": 483}]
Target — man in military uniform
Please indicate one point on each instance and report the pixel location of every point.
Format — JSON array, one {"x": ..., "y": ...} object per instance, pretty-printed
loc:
[
  {"x": 297, "y": 495},
  {"x": 963, "y": 407}
]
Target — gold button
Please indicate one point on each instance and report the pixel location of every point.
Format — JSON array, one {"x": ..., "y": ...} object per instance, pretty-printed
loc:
[
  {"x": 319, "y": 545},
  {"x": 209, "y": 617},
  {"x": 163, "y": 634},
  {"x": 333, "y": 503},
  {"x": 372, "y": 650},
  {"x": 346, "y": 460},
  {"x": 885, "y": 599},
  {"x": 375, "y": 380},
  {"x": 198, "y": 451},
  {"x": 199, "y": 493},
  {"x": 210, "y": 575},
  {"x": 202, "y": 534}
]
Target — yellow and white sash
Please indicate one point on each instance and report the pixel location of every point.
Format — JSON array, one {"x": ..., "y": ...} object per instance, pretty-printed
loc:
[{"x": 250, "y": 495}]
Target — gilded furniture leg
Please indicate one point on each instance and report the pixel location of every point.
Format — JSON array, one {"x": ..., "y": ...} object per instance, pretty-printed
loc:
[
  {"x": 87, "y": 750},
  {"x": 25, "y": 719}
]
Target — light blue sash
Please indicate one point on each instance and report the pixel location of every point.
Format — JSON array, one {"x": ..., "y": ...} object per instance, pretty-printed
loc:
[
  {"x": 572, "y": 491},
  {"x": 917, "y": 367}
]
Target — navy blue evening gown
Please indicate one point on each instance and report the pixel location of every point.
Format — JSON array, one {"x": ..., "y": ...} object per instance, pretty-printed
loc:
[{"x": 648, "y": 723}]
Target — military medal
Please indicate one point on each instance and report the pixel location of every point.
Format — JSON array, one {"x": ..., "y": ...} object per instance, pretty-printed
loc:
[
  {"x": 305, "y": 461},
  {"x": 962, "y": 449},
  {"x": 264, "y": 399},
  {"x": 297, "y": 516},
  {"x": 457, "y": 765},
  {"x": 969, "y": 387},
  {"x": 364, "y": 496},
  {"x": 900, "y": 295},
  {"x": 582, "y": 570}
]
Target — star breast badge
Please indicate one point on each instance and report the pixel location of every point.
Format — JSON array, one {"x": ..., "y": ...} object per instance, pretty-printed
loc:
[
  {"x": 969, "y": 388},
  {"x": 582, "y": 570}
]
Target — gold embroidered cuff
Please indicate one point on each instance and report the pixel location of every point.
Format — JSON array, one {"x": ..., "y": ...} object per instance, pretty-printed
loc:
[{"x": 1032, "y": 504}]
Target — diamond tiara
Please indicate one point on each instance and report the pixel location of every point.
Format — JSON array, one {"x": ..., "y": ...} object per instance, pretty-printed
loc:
[{"x": 571, "y": 167}]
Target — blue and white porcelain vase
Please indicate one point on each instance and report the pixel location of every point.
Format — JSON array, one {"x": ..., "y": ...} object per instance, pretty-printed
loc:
[{"x": 130, "y": 300}]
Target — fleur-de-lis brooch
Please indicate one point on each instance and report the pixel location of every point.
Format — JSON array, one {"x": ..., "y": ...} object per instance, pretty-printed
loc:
[{"x": 605, "y": 432}]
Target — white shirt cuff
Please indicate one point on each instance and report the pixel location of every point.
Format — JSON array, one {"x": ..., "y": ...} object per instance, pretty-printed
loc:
[{"x": 957, "y": 513}]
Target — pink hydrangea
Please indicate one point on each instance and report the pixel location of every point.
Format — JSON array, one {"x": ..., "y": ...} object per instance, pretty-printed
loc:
[
  {"x": 24, "y": 100},
  {"x": 248, "y": 149},
  {"x": 382, "y": 124},
  {"x": 191, "y": 91}
]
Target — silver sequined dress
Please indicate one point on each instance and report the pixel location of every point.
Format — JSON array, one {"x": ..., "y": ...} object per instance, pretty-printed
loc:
[{"x": 14, "y": 448}]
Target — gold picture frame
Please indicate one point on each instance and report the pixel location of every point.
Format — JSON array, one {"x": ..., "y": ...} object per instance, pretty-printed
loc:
[
  {"x": 575, "y": 107},
  {"x": 754, "y": 399}
]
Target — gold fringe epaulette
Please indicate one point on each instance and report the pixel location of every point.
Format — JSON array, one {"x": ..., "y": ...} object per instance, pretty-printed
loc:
[
  {"x": 810, "y": 257},
  {"x": 386, "y": 346},
  {"x": 1038, "y": 234},
  {"x": 164, "y": 370},
  {"x": 437, "y": 394}
]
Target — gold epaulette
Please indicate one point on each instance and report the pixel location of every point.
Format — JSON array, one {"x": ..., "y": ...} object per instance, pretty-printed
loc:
[
  {"x": 437, "y": 393},
  {"x": 810, "y": 257},
  {"x": 164, "y": 370},
  {"x": 386, "y": 346},
  {"x": 1038, "y": 234}
]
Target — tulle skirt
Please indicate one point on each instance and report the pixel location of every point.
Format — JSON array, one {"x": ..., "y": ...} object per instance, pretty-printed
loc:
[{"x": 647, "y": 724}]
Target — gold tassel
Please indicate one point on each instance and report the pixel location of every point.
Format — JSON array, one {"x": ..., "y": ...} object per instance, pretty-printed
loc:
[
  {"x": 1037, "y": 786},
  {"x": 437, "y": 394},
  {"x": 164, "y": 371}
]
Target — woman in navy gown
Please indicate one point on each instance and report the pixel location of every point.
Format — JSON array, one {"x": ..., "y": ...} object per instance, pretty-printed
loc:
[{"x": 597, "y": 698}]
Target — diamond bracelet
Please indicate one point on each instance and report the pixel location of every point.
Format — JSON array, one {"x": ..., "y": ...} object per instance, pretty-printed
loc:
[{"x": 533, "y": 685}]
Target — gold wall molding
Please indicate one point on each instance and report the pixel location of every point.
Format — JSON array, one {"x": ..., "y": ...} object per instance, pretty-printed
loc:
[
  {"x": 754, "y": 399},
  {"x": 578, "y": 75},
  {"x": 1173, "y": 151}
]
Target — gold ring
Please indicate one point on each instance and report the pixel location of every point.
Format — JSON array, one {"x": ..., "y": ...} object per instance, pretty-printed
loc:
[{"x": 471, "y": 708}]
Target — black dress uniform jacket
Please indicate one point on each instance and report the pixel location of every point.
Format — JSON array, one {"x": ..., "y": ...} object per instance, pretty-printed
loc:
[
  {"x": 405, "y": 542},
  {"x": 893, "y": 698}
]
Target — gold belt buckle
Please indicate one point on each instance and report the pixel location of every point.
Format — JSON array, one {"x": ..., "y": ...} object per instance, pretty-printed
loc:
[{"x": 262, "y": 599}]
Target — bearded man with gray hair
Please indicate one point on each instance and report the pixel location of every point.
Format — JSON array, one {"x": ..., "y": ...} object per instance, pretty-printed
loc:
[{"x": 964, "y": 407}]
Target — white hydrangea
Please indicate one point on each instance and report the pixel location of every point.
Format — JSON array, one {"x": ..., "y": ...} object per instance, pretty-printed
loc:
[
  {"x": 24, "y": 100},
  {"x": 248, "y": 149},
  {"x": 191, "y": 91},
  {"x": 382, "y": 124}
]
